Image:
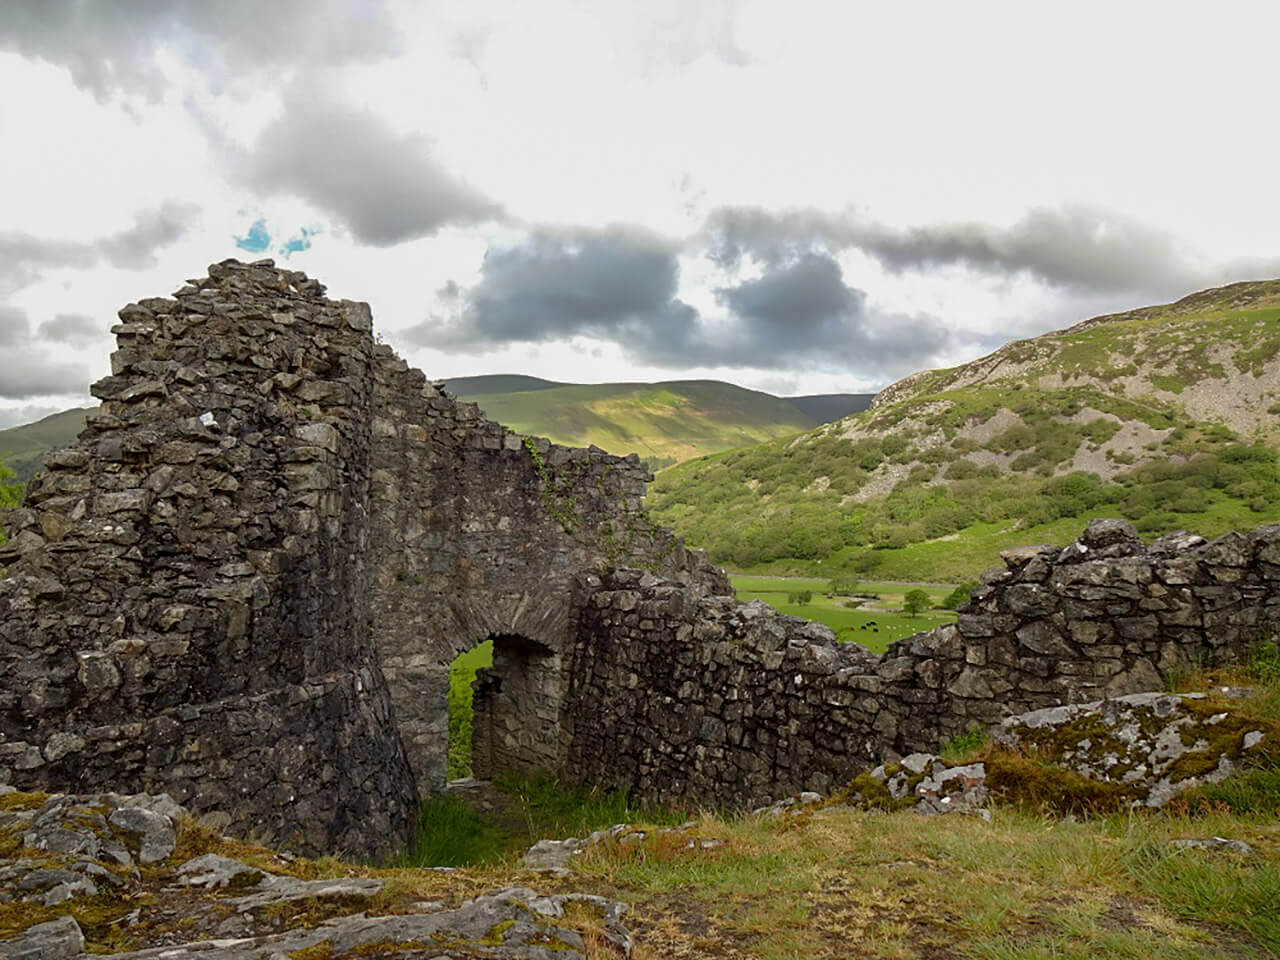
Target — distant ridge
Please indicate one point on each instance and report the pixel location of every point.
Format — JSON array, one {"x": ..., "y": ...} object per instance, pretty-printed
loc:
[
  {"x": 498, "y": 383},
  {"x": 22, "y": 447}
]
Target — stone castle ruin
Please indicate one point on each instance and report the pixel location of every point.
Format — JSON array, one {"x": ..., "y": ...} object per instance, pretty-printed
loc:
[{"x": 245, "y": 583}]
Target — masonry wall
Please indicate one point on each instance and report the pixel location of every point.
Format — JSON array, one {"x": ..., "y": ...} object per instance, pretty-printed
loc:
[
  {"x": 245, "y": 583},
  {"x": 479, "y": 533},
  {"x": 186, "y": 607},
  {"x": 677, "y": 696}
]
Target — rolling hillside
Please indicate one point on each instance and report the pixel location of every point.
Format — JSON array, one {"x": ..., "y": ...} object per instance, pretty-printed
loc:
[
  {"x": 1167, "y": 415},
  {"x": 22, "y": 447},
  {"x": 663, "y": 422}
]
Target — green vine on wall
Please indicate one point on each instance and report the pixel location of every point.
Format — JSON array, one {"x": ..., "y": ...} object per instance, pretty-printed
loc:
[{"x": 556, "y": 499}]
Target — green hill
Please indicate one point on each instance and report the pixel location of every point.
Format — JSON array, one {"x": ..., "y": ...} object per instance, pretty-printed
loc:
[
  {"x": 663, "y": 422},
  {"x": 1166, "y": 415},
  {"x": 22, "y": 447},
  {"x": 498, "y": 383}
]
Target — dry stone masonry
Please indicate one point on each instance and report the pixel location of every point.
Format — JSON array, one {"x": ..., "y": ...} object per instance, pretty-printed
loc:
[
  {"x": 244, "y": 585},
  {"x": 263, "y": 552},
  {"x": 700, "y": 699}
]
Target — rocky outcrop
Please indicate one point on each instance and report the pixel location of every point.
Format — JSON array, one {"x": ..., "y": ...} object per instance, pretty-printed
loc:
[
  {"x": 115, "y": 854},
  {"x": 1150, "y": 745}
]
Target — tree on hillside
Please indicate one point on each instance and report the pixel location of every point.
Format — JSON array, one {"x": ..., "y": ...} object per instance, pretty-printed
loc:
[
  {"x": 915, "y": 602},
  {"x": 844, "y": 586}
]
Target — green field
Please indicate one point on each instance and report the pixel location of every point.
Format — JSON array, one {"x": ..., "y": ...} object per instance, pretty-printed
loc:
[
  {"x": 849, "y": 624},
  {"x": 461, "y": 673}
]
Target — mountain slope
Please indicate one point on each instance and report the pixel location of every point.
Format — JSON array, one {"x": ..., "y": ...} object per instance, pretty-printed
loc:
[
  {"x": 22, "y": 447},
  {"x": 663, "y": 422},
  {"x": 1166, "y": 415}
]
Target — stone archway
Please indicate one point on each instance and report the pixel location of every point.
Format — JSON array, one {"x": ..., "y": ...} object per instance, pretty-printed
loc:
[{"x": 480, "y": 532}]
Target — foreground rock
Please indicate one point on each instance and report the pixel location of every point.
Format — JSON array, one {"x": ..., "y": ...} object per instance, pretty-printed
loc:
[
  {"x": 923, "y": 783},
  {"x": 117, "y": 863},
  {"x": 1151, "y": 745},
  {"x": 512, "y": 923}
]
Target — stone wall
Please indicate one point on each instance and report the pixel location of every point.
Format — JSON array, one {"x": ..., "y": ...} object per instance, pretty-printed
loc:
[
  {"x": 245, "y": 583},
  {"x": 677, "y": 696},
  {"x": 247, "y": 579},
  {"x": 479, "y": 533},
  {"x": 186, "y": 609}
]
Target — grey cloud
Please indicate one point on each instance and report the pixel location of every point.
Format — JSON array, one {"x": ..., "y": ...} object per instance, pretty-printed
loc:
[
  {"x": 619, "y": 284},
  {"x": 803, "y": 313},
  {"x": 1086, "y": 250},
  {"x": 14, "y": 328},
  {"x": 802, "y": 295},
  {"x": 71, "y": 328},
  {"x": 111, "y": 44},
  {"x": 384, "y": 186},
  {"x": 23, "y": 255},
  {"x": 611, "y": 283},
  {"x": 135, "y": 248},
  {"x": 27, "y": 372}
]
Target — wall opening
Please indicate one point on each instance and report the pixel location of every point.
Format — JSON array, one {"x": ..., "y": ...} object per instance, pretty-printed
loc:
[
  {"x": 516, "y": 707},
  {"x": 462, "y": 673}
]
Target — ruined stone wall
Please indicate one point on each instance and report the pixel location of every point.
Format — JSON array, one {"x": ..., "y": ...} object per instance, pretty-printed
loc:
[
  {"x": 480, "y": 533},
  {"x": 700, "y": 699},
  {"x": 249, "y": 576},
  {"x": 187, "y": 605}
]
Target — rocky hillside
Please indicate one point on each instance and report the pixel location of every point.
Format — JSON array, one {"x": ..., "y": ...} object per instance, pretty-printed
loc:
[{"x": 1166, "y": 415}]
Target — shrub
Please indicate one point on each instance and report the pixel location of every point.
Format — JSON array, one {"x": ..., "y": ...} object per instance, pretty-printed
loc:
[{"x": 958, "y": 597}]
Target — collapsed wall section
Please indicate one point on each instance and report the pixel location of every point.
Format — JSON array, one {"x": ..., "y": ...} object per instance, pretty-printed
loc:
[
  {"x": 186, "y": 606},
  {"x": 682, "y": 697}
]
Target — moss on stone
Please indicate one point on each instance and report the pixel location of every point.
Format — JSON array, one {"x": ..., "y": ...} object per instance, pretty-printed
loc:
[
  {"x": 1030, "y": 783},
  {"x": 22, "y": 801}
]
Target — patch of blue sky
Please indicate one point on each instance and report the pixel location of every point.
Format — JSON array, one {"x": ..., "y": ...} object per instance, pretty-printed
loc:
[
  {"x": 300, "y": 242},
  {"x": 257, "y": 239}
]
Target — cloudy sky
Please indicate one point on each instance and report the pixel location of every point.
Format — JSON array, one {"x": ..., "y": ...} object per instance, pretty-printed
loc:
[{"x": 796, "y": 196}]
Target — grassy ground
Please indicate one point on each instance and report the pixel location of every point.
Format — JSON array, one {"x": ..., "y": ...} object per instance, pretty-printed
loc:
[
  {"x": 1032, "y": 883},
  {"x": 849, "y": 624},
  {"x": 451, "y": 833}
]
